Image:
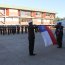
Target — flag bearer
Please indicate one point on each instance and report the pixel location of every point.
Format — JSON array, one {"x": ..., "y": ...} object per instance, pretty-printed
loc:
[
  {"x": 59, "y": 34},
  {"x": 31, "y": 38}
]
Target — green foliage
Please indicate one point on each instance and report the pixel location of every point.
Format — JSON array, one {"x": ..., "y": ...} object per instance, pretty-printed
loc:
[{"x": 57, "y": 19}]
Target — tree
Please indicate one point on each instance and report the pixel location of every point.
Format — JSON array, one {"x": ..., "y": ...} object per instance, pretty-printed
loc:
[{"x": 57, "y": 19}]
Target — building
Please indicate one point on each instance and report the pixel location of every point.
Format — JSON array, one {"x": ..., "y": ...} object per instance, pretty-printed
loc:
[{"x": 20, "y": 16}]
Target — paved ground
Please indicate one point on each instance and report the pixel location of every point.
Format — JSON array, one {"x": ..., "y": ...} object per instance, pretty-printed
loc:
[{"x": 14, "y": 51}]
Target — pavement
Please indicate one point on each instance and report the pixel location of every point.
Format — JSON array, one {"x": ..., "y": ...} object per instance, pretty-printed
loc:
[{"x": 14, "y": 51}]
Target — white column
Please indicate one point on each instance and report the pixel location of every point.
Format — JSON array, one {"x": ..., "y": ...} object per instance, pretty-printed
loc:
[{"x": 4, "y": 15}]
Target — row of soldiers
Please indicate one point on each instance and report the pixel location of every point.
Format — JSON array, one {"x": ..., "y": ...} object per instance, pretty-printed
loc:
[{"x": 14, "y": 29}]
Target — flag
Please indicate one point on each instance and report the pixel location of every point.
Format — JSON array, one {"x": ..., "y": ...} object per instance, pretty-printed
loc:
[
  {"x": 46, "y": 35},
  {"x": 51, "y": 35}
]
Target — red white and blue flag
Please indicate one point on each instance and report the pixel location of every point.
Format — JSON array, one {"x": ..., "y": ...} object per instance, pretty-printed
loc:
[{"x": 47, "y": 35}]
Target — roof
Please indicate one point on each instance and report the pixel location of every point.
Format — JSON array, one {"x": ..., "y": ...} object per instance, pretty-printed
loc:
[{"x": 25, "y": 8}]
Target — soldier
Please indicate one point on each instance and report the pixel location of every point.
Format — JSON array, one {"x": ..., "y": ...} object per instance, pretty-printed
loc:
[
  {"x": 31, "y": 38},
  {"x": 18, "y": 29},
  {"x": 25, "y": 29},
  {"x": 59, "y": 34},
  {"x": 13, "y": 30},
  {"x": 22, "y": 29},
  {"x": 8, "y": 30},
  {"x": 1, "y": 30}
]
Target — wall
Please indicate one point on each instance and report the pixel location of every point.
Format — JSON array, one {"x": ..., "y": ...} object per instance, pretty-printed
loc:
[{"x": 12, "y": 17}]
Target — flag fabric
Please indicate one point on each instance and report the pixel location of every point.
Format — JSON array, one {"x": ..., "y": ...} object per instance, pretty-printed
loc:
[
  {"x": 46, "y": 35},
  {"x": 51, "y": 35}
]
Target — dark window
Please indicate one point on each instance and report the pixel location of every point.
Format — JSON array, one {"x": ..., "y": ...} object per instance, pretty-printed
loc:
[
  {"x": 38, "y": 13},
  {"x": 47, "y": 14}
]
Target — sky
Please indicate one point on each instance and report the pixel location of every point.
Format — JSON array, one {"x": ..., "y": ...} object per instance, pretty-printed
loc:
[{"x": 57, "y": 6}]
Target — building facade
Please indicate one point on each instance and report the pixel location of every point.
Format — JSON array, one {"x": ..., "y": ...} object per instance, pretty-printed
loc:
[{"x": 21, "y": 16}]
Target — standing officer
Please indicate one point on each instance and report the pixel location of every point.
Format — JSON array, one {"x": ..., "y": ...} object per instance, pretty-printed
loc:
[
  {"x": 31, "y": 38},
  {"x": 59, "y": 34}
]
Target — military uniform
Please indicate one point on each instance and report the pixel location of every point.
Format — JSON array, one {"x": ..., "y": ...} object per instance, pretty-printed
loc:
[
  {"x": 31, "y": 38},
  {"x": 59, "y": 34}
]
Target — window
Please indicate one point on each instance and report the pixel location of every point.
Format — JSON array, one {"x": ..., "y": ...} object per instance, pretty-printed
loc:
[
  {"x": 47, "y": 14},
  {"x": 46, "y": 22},
  {"x": 1, "y": 12},
  {"x": 9, "y": 19},
  {"x": 26, "y": 13},
  {"x": 1, "y": 19},
  {"x": 38, "y": 13},
  {"x": 13, "y": 12}
]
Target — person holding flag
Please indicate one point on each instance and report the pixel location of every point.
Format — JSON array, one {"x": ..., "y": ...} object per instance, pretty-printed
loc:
[
  {"x": 31, "y": 38},
  {"x": 59, "y": 34}
]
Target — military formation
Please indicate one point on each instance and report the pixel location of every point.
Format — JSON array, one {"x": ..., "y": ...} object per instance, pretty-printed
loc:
[{"x": 13, "y": 29}]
